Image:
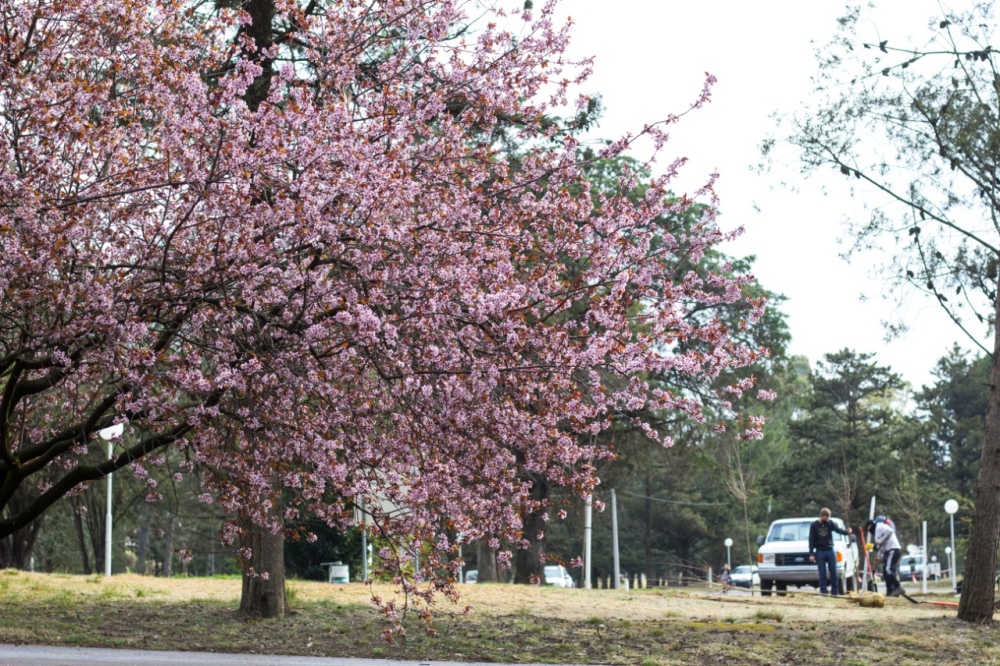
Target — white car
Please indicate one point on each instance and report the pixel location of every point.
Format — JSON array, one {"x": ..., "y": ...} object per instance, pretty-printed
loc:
[
  {"x": 745, "y": 575},
  {"x": 783, "y": 557},
  {"x": 911, "y": 567},
  {"x": 556, "y": 574},
  {"x": 472, "y": 576}
]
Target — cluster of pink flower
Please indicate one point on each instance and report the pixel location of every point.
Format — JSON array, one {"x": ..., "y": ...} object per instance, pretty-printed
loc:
[{"x": 309, "y": 259}]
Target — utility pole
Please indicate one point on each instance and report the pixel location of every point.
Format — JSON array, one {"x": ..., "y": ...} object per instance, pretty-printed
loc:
[
  {"x": 614, "y": 536},
  {"x": 588, "y": 529}
]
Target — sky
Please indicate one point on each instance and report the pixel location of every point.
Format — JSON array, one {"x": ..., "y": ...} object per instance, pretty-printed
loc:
[{"x": 650, "y": 60}]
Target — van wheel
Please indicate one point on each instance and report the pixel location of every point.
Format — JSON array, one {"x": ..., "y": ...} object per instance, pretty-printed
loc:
[
  {"x": 852, "y": 583},
  {"x": 765, "y": 587},
  {"x": 842, "y": 584},
  {"x": 782, "y": 589}
]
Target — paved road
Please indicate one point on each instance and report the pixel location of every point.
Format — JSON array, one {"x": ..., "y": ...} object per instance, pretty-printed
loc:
[{"x": 43, "y": 655}]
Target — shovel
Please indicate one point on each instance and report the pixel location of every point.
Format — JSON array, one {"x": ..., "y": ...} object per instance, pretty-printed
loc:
[{"x": 949, "y": 604}]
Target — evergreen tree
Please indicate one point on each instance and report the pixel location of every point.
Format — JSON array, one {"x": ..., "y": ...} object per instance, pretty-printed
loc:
[
  {"x": 954, "y": 409},
  {"x": 845, "y": 443}
]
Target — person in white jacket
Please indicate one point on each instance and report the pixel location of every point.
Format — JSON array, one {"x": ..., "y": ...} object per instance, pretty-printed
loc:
[{"x": 884, "y": 538}]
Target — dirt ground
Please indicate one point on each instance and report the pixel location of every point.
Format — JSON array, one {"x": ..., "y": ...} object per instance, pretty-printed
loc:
[
  {"x": 567, "y": 604},
  {"x": 508, "y": 623}
]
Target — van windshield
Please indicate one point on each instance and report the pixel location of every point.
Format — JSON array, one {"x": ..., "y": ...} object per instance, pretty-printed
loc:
[
  {"x": 798, "y": 531},
  {"x": 789, "y": 532}
]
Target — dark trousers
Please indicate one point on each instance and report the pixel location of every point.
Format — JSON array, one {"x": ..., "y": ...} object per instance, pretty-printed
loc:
[
  {"x": 826, "y": 560},
  {"x": 890, "y": 570}
]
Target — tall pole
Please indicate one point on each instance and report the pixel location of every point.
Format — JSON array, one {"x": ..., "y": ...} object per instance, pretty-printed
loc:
[
  {"x": 729, "y": 545},
  {"x": 107, "y": 527},
  {"x": 951, "y": 507},
  {"x": 871, "y": 516},
  {"x": 923, "y": 567},
  {"x": 109, "y": 434},
  {"x": 614, "y": 536},
  {"x": 364, "y": 541},
  {"x": 588, "y": 528},
  {"x": 954, "y": 555}
]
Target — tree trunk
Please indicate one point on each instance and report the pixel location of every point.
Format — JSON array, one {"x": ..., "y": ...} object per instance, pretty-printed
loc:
[
  {"x": 486, "y": 561},
  {"x": 976, "y": 604},
  {"x": 261, "y": 30},
  {"x": 648, "y": 535},
  {"x": 167, "y": 569},
  {"x": 15, "y": 550},
  {"x": 263, "y": 593},
  {"x": 80, "y": 538},
  {"x": 95, "y": 527},
  {"x": 529, "y": 562},
  {"x": 141, "y": 547}
]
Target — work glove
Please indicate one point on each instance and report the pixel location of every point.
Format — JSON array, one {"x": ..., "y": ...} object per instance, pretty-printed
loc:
[{"x": 869, "y": 546}]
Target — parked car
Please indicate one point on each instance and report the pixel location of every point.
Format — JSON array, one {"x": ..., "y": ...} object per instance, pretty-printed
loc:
[
  {"x": 911, "y": 567},
  {"x": 472, "y": 576},
  {"x": 556, "y": 574},
  {"x": 745, "y": 575}
]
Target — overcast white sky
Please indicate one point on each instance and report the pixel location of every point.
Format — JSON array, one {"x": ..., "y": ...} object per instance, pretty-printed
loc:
[{"x": 651, "y": 56}]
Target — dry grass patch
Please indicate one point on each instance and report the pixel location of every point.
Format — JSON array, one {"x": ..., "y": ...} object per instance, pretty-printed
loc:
[{"x": 508, "y": 623}]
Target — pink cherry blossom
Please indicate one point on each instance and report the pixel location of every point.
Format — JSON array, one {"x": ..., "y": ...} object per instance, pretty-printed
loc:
[{"x": 311, "y": 264}]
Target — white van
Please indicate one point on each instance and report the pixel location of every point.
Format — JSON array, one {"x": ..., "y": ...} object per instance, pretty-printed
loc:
[{"x": 783, "y": 557}]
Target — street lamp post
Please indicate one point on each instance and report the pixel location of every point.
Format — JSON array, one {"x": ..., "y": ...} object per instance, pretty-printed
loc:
[
  {"x": 947, "y": 553},
  {"x": 729, "y": 544},
  {"x": 951, "y": 507},
  {"x": 109, "y": 434}
]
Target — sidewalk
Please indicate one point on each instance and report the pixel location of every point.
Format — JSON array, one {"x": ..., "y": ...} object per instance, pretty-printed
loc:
[{"x": 45, "y": 655}]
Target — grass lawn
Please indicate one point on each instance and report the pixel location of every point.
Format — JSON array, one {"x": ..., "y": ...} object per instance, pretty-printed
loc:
[{"x": 507, "y": 623}]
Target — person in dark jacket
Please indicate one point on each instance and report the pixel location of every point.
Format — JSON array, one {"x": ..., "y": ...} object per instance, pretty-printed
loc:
[{"x": 822, "y": 553}]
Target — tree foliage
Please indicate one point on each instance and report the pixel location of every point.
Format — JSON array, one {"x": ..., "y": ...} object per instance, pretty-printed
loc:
[
  {"x": 657, "y": 482},
  {"x": 954, "y": 408},
  {"x": 285, "y": 237},
  {"x": 914, "y": 129},
  {"x": 844, "y": 444}
]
